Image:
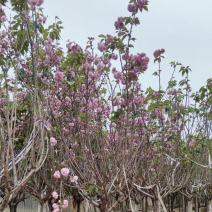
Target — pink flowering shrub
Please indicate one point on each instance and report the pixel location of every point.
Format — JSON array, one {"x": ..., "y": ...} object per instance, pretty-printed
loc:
[{"x": 107, "y": 132}]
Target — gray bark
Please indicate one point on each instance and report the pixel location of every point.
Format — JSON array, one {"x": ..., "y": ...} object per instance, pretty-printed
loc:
[
  {"x": 209, "y": 205},
  {"x": 189, "y": 206},
  {"x": 157, "y": 206}
]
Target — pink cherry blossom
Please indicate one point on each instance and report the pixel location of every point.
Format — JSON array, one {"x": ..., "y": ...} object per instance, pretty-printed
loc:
[
  {"x": 3, "y": 18},
  {"x": 34, "y": 3},
  {"x": 65, "y": 172},
  {"x": 155, "y": 94},
  {"x": 192, "y": 143},
  {"x": 2, "y": 51},
  {"x": 158, "y": 52},
  {"x": 55, "y": 195},
  {"x": 65, "y": 203},
  {"x": 109, "y": 40},
  {"x": 106, "y": 150},
  {"x": 3, "y": 34},
  {"x": 71, "y": 124},
  {"x": 40, "y": 2},
  {"x": 99, "y": 110},
  {"x": 131, "y": 7},
  {"x": 57, "y": 174},
  {"x": 53, "y": 141},
  {"x": 44, "y": 19},
  {"x": 154, "y": 149},
  {"x": 74, "y": 179},
  {"x": 59, "y": 76},
  {"x": 86, "y": 149},
  {"x": 55, "y": 206},
  {"x": 141, "y": 4},
  {"x": 40, "y": 20},
  {"x": 115, "y": 56},
  {"x": 169, "y": 144},
  {"x": 119, "y": 23},
  {"x": 101, "y": 47}
]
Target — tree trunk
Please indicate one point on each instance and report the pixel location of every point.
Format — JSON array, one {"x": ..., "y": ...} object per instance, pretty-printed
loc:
[
  {"x": 136, "y": 207},
  {"x": 178, "y": 198},
  {"x": 172, "y": 203},
  {"x": 209, "y": 205},
  {"x": 183, "y": 204},
  {"x": 49, "y": 203},
  {"x": 146, "y": 204},
  {"x": 13, "y": 207},
  {"x": 143, "y": 204},
  {"x": 157, "y": 207},
  {"x": 78, "y": 206},
  {"x": 43, "y": 207},
  {"x": 189, "y": 205},
  {"x": 196, "y": 204},
  {"x": 86, "y": 205},
  {"x": 103, "y": 206}
]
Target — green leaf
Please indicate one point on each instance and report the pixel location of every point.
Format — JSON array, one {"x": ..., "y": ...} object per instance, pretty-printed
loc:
[
  {"x": 136, "y": 21},
  {"x": 121, "y": 34},
  {"x": 152, "y": 106},
  {"x": 124, "y": 37},
  {"x": 146, "y": 8},
  {"x": 127, "y": 21},
  {"x": 71, "y": 83},
  {"x": 101, "y": 36},
  {"x": 45, "y": 35}
]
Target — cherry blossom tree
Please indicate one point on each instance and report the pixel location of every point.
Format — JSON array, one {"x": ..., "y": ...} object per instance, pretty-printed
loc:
[{"x": 74, "y": 124}]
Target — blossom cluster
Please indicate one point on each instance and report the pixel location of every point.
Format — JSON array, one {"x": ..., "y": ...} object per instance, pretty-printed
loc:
[
  {"x": 34, "y": 3},
  {"x": 119, "y": 24},
  {"x": 158, "y": 52}
]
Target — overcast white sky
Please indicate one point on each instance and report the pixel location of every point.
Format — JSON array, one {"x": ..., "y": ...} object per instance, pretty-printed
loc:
[{"x": 183, "y": 28}]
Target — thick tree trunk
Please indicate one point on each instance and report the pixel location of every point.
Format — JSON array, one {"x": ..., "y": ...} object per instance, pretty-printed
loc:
[
  {"x": 13, "y": 207},
  {"x": 209, "y": 205},
  {"x": 136, "y": 207},
  {"x": 143, "y": 204},
  {"x": 43, "y": 207},
  {"x": 49, "y": 203},
  {"x": 85, "y": 205},
  {"x": 189, "y": 206},
  {"x": 103, "y": 206},
  {"x": 157, "y": 206}
]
